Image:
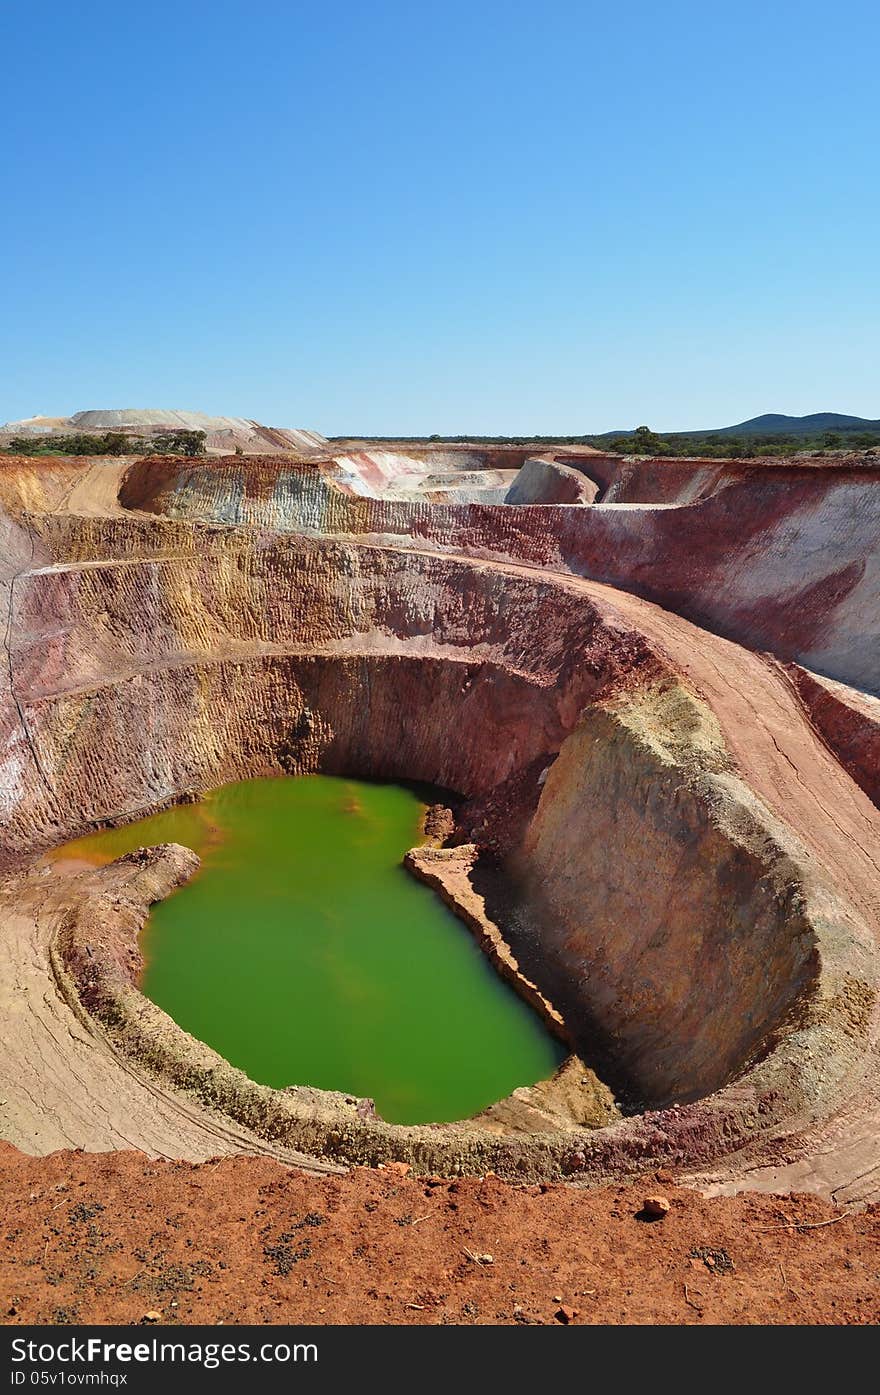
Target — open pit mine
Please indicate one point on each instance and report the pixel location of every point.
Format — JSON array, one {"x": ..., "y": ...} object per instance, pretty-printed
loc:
[{"x": 642, "y": 698}]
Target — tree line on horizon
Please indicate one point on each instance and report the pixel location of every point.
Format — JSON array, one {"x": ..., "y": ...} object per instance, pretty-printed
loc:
[
  {"x": 179, "y": 442},
  {"x": 644, "y": 441}
]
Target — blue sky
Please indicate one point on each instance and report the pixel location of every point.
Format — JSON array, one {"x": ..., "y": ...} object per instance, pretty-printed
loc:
[{"x": 441, "y": 217}]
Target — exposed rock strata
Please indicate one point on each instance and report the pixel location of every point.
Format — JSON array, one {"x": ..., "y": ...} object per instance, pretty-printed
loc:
[
  {"x": 701, "y": 886},
  {"x": 777, "y": 557}
]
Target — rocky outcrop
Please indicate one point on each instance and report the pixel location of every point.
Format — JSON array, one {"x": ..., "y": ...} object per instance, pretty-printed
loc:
[
  {"x": 449, "y": 872},
  {"x": 105, "y": 959},
  {"x": 546, "y": 481}
]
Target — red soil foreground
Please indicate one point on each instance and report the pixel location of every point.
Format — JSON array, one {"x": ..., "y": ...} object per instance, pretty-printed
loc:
[{"x": 109, "y": 1238}]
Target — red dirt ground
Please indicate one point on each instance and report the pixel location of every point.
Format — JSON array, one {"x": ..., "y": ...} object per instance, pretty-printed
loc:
[{"x": 107, "y": 1238}]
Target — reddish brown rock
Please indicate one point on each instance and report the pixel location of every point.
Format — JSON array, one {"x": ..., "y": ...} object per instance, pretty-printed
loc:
[{"x": 656, "y": 1207}]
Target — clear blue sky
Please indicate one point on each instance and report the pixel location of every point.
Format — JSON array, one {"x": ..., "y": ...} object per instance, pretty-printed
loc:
[{"x": 441, "y": 217}]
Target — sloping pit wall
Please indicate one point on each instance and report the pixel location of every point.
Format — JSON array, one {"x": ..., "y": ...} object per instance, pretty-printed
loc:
[
  {"x": 849, "y": 723},
  {"x": 671, "y": 910},
  {"x": 126, "y": 748},
  {"x": 668, "y": 481}
]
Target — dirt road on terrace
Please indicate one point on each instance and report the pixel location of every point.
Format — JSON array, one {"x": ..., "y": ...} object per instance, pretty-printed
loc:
[{"x": 113, "y": 1237}]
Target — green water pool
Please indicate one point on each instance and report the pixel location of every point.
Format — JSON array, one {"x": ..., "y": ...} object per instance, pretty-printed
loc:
[{"x": 305, "y": 954}]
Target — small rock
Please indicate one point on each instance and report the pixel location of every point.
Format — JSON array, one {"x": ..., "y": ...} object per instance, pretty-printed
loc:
[
  {"x": 656, "y": 1206},
  {"x": 152, "y": 1316},
  {"x": 665, "y": 1177},
  {"x": 566, "y": 1314},
  {"x": 402, "y": 1169}
]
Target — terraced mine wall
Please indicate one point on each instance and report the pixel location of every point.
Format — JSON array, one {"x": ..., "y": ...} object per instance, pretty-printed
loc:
[
  {"x": 778, "y": 558},
  {"x": 162, "y": 663}
]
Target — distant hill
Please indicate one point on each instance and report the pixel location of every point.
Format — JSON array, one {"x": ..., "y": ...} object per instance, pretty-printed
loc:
[{"x": 775, "y": 424}]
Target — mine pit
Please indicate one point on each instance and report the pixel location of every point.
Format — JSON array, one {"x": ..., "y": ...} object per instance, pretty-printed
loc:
[{"x": 653, "y": 688}]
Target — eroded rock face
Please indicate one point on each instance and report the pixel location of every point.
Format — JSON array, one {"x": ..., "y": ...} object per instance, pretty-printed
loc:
[
  {"x": 778, "y": 557},
  {"x": 697, "y": 892},
  {"x": 543, "y": 481},
  {"x": 849, "y": 721},
  {"x": 685, "y": 966}
]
